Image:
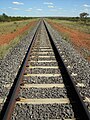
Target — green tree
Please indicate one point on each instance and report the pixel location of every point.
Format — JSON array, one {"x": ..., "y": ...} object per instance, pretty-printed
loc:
[
  {"x": 83, "y": 17},
  {"x": 3, "y": 17}
]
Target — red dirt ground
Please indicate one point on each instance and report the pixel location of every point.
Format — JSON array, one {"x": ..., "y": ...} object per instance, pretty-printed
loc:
[
  {"x": 6, "y": 38},
  {"x": 79, "y": 39}
]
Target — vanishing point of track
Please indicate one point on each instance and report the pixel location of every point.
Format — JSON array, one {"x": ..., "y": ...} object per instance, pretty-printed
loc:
[{"x": 43, "y": 82}]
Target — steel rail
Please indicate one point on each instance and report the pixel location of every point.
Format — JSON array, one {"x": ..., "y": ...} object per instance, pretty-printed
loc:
[
  {"x": 78, "y": 105},
  {"x": 9, "y": 104}
]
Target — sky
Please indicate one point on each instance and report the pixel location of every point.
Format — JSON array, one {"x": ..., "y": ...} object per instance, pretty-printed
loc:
[{"x": 43, "y": 8}]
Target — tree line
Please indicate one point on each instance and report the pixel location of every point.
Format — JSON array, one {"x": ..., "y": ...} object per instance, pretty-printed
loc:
[
  {"x": 6, "y": 18},
  {"x": 83, "y": 17}
]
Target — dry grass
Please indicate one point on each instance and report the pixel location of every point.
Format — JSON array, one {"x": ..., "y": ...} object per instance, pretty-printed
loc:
[
  {"x": 74, "y": 25},
  {"x": 11, "y": 27},
  {"x": 4, "y": 49}
]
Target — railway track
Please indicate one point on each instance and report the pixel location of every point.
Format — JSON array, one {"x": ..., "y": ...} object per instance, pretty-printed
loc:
[{"x": 43, "y": 88}]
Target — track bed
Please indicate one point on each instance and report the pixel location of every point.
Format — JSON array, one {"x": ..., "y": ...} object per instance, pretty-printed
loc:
[{"x": 42, "y": 93}]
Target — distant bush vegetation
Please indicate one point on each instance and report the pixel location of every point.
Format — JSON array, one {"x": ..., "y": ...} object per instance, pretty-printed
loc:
[
  {"x": 5, "y": 18},
  {"x": 74, "y": 19}
]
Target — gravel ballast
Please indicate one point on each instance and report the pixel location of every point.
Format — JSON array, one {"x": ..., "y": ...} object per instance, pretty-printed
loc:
[
  {"x": 54, "y": 92},
  {"x": 43, "y": 80},
  {"x": 43, "y": 112}
]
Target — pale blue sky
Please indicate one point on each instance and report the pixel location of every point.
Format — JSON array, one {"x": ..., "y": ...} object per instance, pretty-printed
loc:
[{"x": 44, "y": 7}]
